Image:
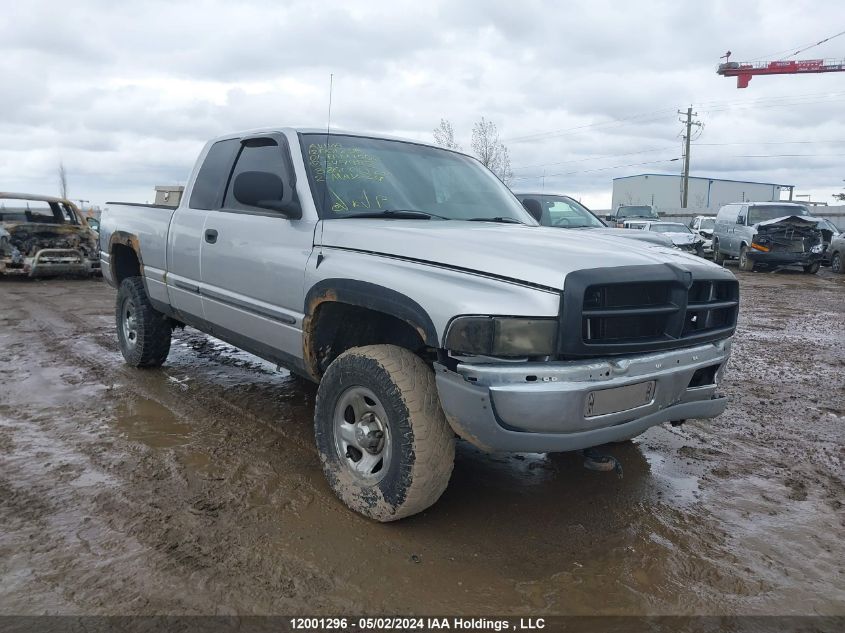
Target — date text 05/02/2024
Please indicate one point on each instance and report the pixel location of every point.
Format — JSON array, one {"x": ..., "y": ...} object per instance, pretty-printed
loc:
[{"x": 390, "y": 623}]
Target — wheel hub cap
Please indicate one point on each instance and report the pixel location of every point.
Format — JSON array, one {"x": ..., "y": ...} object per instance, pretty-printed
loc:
[
  {"x": 130, "y": 324},
  {"x": 361, "y": 433}
]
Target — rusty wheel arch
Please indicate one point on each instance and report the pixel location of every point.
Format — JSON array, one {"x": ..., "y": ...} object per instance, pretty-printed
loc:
[
  {"x": 353, "y": 295},
  {"x": 130, "y": 241}
]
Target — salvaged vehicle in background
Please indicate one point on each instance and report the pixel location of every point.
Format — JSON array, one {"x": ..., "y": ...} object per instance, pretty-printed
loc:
[
  {"x": 412, "y": 285},
  {"x": 43, "y": 235},
  {"x": 631, "y": 211},
  {"x": 567, "y": 213},
  {"x": 769, "y": 233},
  {"x": 704, "y": 225},
  {"x": 679, "y": 234},
  {"x": 837, "y": 254},
  {"x": 829, "y": 232}
]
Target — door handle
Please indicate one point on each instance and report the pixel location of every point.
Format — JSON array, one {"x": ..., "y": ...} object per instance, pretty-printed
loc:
[{"x": 210, "y": 236}]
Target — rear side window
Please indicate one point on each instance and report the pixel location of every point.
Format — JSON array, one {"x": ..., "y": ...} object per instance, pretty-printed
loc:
[{"x": 213, "y": 174}]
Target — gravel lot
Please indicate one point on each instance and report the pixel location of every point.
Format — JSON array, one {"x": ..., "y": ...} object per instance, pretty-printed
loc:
[{"x": 196, "y": 488}]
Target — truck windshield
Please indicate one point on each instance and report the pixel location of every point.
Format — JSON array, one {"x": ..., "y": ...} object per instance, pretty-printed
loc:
[
  {"x": 635, "y": 212},
  {"x": 39, "y": 211},
  {"x": 352, "y": 176},
  {"x": 771, "y": 212}
]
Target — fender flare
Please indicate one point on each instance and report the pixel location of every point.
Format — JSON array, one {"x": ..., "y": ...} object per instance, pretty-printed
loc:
[
  {"x": 126, "y": 239},
  {"x": 131, "y": 241},
  {"x": 374, "y": 297}
]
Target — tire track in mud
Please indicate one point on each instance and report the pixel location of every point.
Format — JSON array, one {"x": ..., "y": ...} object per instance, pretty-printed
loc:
[
  {"x": 182, "y": 552},
  {"x": 225, "y": 507}
]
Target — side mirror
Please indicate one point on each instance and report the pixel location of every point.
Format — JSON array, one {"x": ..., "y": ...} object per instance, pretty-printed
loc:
[
  {"x": 740, "y": 219},
  {"x": 265, "y": 190}
]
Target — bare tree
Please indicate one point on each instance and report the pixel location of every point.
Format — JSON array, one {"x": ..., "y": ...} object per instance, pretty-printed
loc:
[
  {"x": 62, "y": 173},
  {"x": 490, "y": 150},
  {"x": 444, "y": 135}
]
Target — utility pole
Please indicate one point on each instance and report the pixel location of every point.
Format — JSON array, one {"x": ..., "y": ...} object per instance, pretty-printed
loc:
[{"x": 689, "y": 123}]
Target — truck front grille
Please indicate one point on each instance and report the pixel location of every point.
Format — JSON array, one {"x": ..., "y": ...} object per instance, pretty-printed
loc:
[{"x": 613, "y": 311}]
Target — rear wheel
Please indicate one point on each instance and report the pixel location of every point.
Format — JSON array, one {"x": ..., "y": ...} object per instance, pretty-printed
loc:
[
  {"x": 837, "y": 264},
  {"x": 745, "y": 262},
  {"x": 143, "y": 331},
  {"x": 386, "y": 448},
  {"x": 812, "y": 269}
]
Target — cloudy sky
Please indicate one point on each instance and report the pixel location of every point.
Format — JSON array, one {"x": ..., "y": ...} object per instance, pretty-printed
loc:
[{"x": 126, "y": 93}]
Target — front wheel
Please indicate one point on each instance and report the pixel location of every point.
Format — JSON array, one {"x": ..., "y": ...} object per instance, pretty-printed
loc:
[
  {"x": 745, "y": 262},
  {"x": 142, "y": 331},
  {"x": 812, "y": 269},
  {"x": 718, "y": 258},
  {"x": 384, "y": 443},
  {"x": 837, "y": 263}
]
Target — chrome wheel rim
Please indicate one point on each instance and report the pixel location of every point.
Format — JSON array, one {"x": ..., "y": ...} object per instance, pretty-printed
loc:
[
  {"x": 362, "y": 434},
  {"x": 130, "y": 324}
]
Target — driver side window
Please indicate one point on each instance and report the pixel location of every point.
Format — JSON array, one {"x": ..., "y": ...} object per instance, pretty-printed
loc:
[
  {"x": 561, "y": 213},
  {"x": 256, "y": 155}
]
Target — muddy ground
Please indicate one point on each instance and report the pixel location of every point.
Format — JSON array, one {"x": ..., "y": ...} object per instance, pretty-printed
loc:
[{"x": 195, "y": 489}]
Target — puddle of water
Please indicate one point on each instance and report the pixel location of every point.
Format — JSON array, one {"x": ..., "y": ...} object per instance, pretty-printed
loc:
[{"x": 150, "y": 423}]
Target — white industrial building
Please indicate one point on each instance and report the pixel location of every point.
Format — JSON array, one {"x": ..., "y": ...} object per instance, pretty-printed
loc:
[{"x": 663, "y": 191}]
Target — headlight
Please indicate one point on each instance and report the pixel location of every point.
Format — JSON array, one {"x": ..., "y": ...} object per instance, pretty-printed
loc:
[
  {"x": 818, "y": 248},
  {"x": 502, "y": 336}
]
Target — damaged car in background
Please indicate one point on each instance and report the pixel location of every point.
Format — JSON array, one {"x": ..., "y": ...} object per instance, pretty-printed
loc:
[
  {"x": 770, "y": 234},
  {"x": 43, "y": 235}
]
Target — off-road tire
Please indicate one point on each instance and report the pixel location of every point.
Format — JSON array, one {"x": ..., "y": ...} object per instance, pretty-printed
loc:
[
  {"x": 153, "y": 329},
  {"x": 422, "y": 442},
  {"x": 745, "y": 262},
  {"x": 837, "y": 263},
  {"x": 811, "y": 269},
  {"x": 718, "y": 258}
]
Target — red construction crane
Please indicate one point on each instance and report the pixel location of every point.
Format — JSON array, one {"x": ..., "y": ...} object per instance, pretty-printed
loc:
[{"x": 744, "y": 71}]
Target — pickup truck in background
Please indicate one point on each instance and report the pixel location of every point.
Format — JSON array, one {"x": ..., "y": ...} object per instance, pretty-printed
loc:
[
  {"x": 412, "y": 285},
  {"x": 43, "y": 235},
  {"x": 631, "y": 212}
]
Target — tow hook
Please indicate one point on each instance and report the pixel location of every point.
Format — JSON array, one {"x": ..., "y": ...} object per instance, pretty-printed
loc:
[{"x": 594, "y": 460}]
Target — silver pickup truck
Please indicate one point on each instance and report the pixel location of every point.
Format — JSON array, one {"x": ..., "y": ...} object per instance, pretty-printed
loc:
[{"x": 412, "y": 285}]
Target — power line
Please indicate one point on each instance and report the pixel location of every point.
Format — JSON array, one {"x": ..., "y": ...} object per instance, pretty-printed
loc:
[
  {"x": 831, "y": 142},
  {"x": 577, "y": 129},
  {"x": 786, "y": 50},
  {"x": 585, "y": 171},
  {"x": 827, "y": 39},
  {"x": 596, "y": 157}
]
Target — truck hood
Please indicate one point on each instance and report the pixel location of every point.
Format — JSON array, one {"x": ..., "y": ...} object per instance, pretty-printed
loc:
[
  {"x": 791, "y": 220},
  {"x": 641, "y": 236},
  {"x": 530, "y": 254},
  {"x": 681, "y": 238}
]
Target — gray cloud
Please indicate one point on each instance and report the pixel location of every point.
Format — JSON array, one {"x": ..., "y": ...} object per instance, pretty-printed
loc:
[{"x": 125, "y": 94}]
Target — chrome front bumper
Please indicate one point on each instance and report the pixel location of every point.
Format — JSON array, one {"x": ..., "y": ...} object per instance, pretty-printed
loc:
[{"x": 570, "y": 405}]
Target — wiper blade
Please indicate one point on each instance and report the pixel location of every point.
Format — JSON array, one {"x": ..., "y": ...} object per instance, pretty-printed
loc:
[
  {"x": 399, "y": 214},
  {"x": 500, "y": 219}
]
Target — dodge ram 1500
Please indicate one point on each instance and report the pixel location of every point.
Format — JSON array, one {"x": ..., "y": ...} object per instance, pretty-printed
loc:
[{"x": 412, "y": 285}]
